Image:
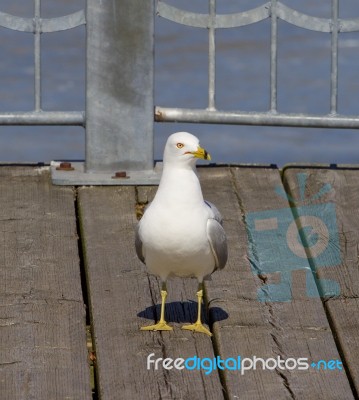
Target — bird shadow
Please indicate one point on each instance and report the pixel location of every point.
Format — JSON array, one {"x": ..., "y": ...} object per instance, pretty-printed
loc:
[{"x": 184, "y": 311}]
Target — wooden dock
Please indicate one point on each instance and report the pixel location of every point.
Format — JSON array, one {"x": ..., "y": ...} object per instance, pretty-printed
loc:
[{"x": 68, "y": 267}]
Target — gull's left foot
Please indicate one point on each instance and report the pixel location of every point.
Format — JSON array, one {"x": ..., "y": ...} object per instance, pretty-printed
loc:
[
  {"x": 197, "y": 327},
  {"x": 160, "y": 326}
]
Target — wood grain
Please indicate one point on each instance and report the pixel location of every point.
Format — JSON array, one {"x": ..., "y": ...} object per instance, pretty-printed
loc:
[
  {"x": 338, "y": 261},
  {"x": 291, "y": 329},
  {"x": 123, "y": 298},
  {"x": 42, "y": 316}
]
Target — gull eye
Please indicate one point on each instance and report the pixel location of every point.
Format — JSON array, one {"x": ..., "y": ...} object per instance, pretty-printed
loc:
[{"x": 179, "y": 145}]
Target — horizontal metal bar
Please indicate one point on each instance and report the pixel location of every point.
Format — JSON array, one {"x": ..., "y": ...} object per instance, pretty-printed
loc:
[
  {"x": 349, "y": 25},
  {"x": 16, "y": 23},
  {"x": 43, "y": 118},
  {"x": 63, "y": 23},
  {"x": 220, "y": 21},
  {"x": 301, "y": 20},
  {"x": 252, "y": 16},
  {"x": 46, "y": 24},
  {"x": 314, "y": 23},
  {"x": 163, "y": 114}
]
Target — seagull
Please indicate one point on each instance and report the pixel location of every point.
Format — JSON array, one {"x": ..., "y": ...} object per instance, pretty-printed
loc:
[{"x": 181, "y": 234}]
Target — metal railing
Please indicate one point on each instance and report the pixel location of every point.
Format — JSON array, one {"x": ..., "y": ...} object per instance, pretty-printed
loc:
[
  {"x": 120, "y": 112},
  {"x": 119, "y": 89},
  {"x": 274, "y": 10},
  {"x": 37, "y": 26}
]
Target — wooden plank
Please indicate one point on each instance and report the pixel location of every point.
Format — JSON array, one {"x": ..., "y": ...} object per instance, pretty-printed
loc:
[
  {"x": 43, "y": 351},
  {"x": 296, "y": 328},
  {"x": 122, "y": 297},
  {"x": 335, "y": 193}
]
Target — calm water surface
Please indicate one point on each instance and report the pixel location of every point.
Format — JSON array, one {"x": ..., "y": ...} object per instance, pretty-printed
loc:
[{"x": 181, "y": 81}]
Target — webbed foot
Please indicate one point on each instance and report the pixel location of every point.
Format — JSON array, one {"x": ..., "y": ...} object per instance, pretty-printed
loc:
[
  {"x": 197, "y": 327},
  {"x": 160, "y": 326}
]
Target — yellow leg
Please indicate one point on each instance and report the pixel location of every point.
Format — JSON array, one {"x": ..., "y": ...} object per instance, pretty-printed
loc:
[
  {"x": 198, "y": 326},
  {"x": 161, "y": 324}
]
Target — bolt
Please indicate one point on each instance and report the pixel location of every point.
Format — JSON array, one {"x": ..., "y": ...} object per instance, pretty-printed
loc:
[
  {"x": 159, "y": 116},
  {"x": 120, "y": 175},
  {"x": 65, "y": 166}
]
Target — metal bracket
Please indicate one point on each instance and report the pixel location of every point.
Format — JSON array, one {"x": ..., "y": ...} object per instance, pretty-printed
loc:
[{"x": 74, "y": 174}]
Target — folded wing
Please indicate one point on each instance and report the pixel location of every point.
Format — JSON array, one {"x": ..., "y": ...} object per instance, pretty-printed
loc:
[
  {"x": 138, "y": 244},
  {"x": 217, "y": 237}
]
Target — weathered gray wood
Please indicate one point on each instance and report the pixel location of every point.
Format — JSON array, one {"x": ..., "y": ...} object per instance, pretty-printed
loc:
[
  {"x": 42, "y": 332},
  {"x": 343, "y": 193},
  {"x": 122, "y": 298},
  {"x": 292, "y": 329},
  {"x": 43, "y": 351}
]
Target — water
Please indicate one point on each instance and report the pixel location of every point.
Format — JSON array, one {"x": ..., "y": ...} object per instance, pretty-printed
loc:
[{"x": 181, "y": 81}]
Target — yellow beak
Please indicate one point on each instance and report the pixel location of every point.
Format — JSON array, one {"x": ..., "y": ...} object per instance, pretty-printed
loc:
[{"x": 201, "y": 153}]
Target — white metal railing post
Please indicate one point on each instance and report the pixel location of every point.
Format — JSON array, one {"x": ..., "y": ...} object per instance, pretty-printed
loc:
[{"x": 119, "y": 89}]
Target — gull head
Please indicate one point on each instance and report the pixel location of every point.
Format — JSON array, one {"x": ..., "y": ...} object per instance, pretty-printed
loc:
[{"x": 182, "y": 148}]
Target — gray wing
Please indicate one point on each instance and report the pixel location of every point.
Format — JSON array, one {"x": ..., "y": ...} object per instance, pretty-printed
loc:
[
  {"x": 138, "y": 244},
  {"x": 218, "y": 242},
  {"x": 216, "y": 214},
  {"x": 217, "y": 237}
]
